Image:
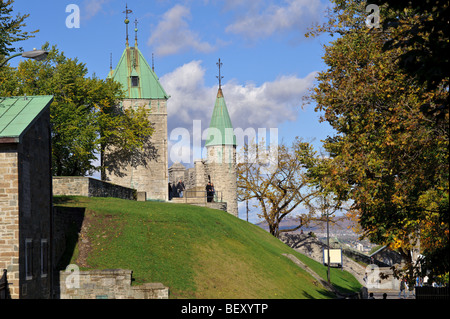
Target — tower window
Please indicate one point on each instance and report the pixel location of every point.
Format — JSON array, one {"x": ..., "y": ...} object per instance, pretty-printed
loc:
[{"x": 134, "y": 81}]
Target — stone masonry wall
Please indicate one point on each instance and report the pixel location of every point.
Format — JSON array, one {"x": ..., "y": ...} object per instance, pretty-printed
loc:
[
  {"x": 154, "y": 178},
  {"x": 221, "y": 166},
  {"x": 26, "y": 211},
  {"x": 90, "y": 187},
  {"x": 223, "y": 175},
  {"x": 70, "y": 186},
  {"x": 107, "y": 284},
  {"x": 9, "y": 217}
]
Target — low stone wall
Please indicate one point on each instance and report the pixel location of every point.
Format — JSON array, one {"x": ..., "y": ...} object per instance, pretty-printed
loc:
[
  {"x": 90, "y": 187},
  {"x": 107, "y": 284}
]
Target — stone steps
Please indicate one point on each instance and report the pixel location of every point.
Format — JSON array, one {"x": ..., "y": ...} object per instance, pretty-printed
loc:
[
  {"x": 186, "y": 200},
  {"x": 200, "y": 202}
]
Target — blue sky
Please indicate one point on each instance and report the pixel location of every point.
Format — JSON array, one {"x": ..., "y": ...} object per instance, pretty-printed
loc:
[{"x": 268, "y": 64}]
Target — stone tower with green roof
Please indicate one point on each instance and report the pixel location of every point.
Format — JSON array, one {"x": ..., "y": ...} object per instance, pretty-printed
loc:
[
  {"x": 221, "y": 152},
  {"x": 219, "y": 167},
  {"x": 143, "y": 88}
]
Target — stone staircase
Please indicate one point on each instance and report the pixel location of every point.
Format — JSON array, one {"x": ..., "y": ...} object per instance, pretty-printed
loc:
[{"x": 198, "y": 201}]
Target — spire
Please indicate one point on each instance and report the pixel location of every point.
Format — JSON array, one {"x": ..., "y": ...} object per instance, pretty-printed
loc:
[
  {"x": 219, "y": 65},
  {"x": 153, "y": 62},
  {"x": 133, "y": 71},
  {"x": 111, "y": 71},
  {"x": 126, "y": 19},
  {"x": 220, "y": 128},
  {"x": 137, "y": 77},
  {"x": 135, "y": 32}
]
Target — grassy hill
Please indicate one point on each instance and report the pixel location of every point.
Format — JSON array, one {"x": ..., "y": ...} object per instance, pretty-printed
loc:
[{"x": 197, "y": 252}]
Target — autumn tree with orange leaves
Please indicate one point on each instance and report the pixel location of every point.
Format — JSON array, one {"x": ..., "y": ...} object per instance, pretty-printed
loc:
[{"x": 388, "y": 157}]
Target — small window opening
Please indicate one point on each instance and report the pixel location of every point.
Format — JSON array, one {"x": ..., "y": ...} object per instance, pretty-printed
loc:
[{"x": 134, "y": 81}]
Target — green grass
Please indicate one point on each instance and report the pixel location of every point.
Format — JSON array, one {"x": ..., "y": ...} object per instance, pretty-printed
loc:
[{"x": 197, "y": 252}]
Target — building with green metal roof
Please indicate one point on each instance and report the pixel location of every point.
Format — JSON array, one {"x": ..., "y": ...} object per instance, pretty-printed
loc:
[
  {"x": 26, "y": 195},
  {"x": 18, "y": 113},
  {"x": 135, "y": 74},
  {"x": 137, "y": 77},
  {"x": 143, "y": 89},
  {"x": 220, "y": 130},
  {"x": 220, "y": 166}
]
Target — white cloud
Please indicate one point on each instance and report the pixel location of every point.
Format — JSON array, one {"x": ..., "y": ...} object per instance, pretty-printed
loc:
[
  {"x": 92, "y": 7},
  {"x": 190, "y": 98},
  {"x": 295, "y": 15},
  {"x": 249, "y": 105},
  {"x": 172, "y": 34}
]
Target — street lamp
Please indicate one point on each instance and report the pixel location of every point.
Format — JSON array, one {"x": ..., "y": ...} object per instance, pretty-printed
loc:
[{"x": 37, "y": 55}]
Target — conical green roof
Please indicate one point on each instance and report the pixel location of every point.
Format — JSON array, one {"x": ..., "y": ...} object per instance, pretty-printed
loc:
[
  {"x": 220, "y": 130},
  {"x": 133, "y": 64}
]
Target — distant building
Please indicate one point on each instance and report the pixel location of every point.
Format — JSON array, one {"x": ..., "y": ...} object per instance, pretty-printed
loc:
[
  {"x": 386, "y": 257},
  {"x": 26, "y": 195}
]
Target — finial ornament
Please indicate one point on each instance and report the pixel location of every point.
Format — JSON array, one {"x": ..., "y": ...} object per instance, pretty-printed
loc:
[
  {"x": 135, "y": 31},
  {"x": 220, "y": 77},
  {"x": 127, "y": 11},
  {"x": 153, "y": 62}
]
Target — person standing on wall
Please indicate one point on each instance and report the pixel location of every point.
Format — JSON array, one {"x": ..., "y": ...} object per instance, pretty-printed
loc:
[
  {"x": 180, "y": 188},
  {"x": 209, "y": 192}
]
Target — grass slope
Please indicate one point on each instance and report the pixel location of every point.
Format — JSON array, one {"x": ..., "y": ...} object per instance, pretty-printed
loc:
[{"x": 197, "y": 252}]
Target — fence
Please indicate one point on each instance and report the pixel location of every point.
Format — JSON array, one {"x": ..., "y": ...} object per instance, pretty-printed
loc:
[
  {"x": 432, "y": 293},
  {"x": 202, "y": 195},
  {"x": 4, "y": 289}
]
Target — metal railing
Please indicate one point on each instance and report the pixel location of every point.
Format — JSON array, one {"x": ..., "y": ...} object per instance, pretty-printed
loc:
[
  {"x": 216, "y": 197},
  {"x": 432, "y": 292},
  {"x": 4, "y": 289}
]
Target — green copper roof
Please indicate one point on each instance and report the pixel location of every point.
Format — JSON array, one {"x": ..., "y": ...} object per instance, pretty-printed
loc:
[
  {"x": 133, "y": 64},
  {"x": 17, "y": 114},
  {"x": 220, "y": 130}
]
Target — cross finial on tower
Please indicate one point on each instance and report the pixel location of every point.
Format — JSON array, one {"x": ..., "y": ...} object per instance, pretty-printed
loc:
[
  {"x": 126, "y": 18},
  {"x": 220, "y": 77},
  {"x": 135, "y": 31}
]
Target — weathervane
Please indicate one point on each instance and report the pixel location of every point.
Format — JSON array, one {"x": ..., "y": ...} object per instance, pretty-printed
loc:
[
  {"x": 219, "y": 64},
  {"x": 126, "y": 18}
]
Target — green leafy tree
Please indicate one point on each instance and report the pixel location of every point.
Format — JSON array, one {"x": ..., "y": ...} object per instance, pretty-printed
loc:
[
  {"x": 11, "y": 29},
  {"x": 388, "y": 157},
  {"x": 421, "y": 29},
  {"x": 86, "y": 117}
]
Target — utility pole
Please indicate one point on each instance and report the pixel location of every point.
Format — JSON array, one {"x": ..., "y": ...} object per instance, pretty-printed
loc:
[{"x": 328, "y": 245}]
